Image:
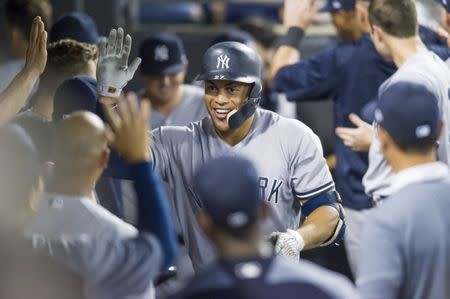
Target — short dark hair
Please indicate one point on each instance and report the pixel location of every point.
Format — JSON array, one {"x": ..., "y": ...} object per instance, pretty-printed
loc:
[
  {"x": 422, "y": 146},
  {"x": 20, "y": 13},
  {"x": 395, "y": 17}
]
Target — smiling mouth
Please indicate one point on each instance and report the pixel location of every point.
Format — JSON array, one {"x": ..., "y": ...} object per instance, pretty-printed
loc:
[{"x": 221, "y": 113}]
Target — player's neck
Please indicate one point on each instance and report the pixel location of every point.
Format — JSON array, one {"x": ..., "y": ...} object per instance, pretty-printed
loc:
[
  {"x": 233, "y": 137},
  {"x": 233, "y": 249},
  {"x": 74, "y": 185},
  {"x": 43, "y": 105},
  {"x": 404, "y": 48},
  {"x": 167, "y": 108},
  {"x": 405, "y": 161}
]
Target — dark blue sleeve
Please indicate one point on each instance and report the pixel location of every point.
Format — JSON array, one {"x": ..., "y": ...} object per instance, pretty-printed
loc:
[
  {"x": 442, "y": 51},
  {"x": 313, "y": 78},
  {"x": 153, "y": 213}
]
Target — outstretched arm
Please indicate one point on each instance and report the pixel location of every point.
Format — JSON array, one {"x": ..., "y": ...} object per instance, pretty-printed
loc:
[
  {"x": 16, "y": 94},
  {"x": 130, "y": 129},
  {"x": 297, "y": 17}
]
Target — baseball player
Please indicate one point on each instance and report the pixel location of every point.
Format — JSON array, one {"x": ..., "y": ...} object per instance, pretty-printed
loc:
[
  {"x": 112, "y": 265},
  {"x": 293, "y": 176},
  {"x": 233, "y": 220},
  {"x": 349, "y": 73},
  {"x": 163, "y": 69},
  {"x": 406, "y": 246},
  {"x": 399, "y": 42}
]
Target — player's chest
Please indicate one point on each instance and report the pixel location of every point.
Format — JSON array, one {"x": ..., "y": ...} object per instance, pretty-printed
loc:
[{"x": 271, "y": 163}]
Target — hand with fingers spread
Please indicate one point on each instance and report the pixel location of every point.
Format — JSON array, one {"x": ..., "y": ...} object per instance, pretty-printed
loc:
[
  {"x": 113, "y": 72},
  {"x": 357, "y": 139},
  {"x": 36, "y": 57},
  {"x": 129, "y": 124},
  {"x": 299, "y": 13}
]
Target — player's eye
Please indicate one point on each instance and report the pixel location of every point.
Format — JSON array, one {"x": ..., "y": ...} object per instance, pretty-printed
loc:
[
  {"x": 233, "y": 90},
  {"x": 210, "y": 88}
]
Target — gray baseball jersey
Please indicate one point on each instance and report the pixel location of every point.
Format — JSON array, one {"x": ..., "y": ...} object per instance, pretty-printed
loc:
[
  {"x": 406, "y": 244},
  {"x": 423, "y": 68},
  {"x": 110, "y": 268},
  {"x": 190, "y": 109},
  {"x": 286, "y": 153}
]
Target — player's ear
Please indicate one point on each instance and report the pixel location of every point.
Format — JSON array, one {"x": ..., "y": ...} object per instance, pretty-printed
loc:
[
  {"x": 104, "y": 158},
  {"x": 384, "y": 137},
  {"x": 361, "y": 14},
  {"x": 377, "y": 33}
]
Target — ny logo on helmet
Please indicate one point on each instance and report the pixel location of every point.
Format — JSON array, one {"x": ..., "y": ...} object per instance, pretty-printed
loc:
[
  {"x": 161, "y": 53},
  {"x": 222, "y": 62}
]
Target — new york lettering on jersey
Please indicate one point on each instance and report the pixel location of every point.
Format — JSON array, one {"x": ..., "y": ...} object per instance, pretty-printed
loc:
[{"x": 285, "y": 152}]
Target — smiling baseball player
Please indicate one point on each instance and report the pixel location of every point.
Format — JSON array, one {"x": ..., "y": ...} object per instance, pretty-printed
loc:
[{"x": 294, "y": 179}]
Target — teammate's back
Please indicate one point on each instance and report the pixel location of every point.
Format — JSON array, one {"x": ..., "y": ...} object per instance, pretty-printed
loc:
[{"x": 265, "y": 278}]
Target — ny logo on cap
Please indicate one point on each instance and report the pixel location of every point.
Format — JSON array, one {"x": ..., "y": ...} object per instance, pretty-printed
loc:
[
  {"x": 336, "y": 4},
  {"x": 161, "y": 53},
  {"x": 222, "y": 62}
]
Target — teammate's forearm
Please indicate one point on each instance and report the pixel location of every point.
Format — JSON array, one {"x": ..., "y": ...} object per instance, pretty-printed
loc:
[
  {"x": 319, "y": 226},
  {"x": 16, "y": 94},
  {"x": 153, "y": 212},
  {"x": 284, "y": 55}
]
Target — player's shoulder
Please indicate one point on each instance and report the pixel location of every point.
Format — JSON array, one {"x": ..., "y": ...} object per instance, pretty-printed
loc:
[
  {"x": 213, "y": 277},
  {"x": 107, "y": 220},
  {"x": 284, "y": 126},
  {"x": 308, "y": 273},
  {"x": 179, "y": 133}
]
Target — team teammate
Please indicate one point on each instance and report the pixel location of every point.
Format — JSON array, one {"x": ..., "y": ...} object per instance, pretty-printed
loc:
[
  {"x": 293, "y": 176},
  {"x": 351, "y": 74},
  {"x": 104, "y": 256},
  {"x": 394, "y": 32},
  {"x": 406, "y": 246},
  {"x": 163, "y": 68},
  {"x": 233, "y": 220}
]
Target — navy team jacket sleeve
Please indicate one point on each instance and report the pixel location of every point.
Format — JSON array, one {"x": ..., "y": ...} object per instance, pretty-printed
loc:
[
  {"x": 153, "y": 213},
  {"x": 313, "y": 78}
]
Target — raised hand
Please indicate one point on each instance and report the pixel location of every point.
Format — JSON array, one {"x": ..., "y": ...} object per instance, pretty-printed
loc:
[
  {"x": 113, "y": 72},
  {"x": 129, "y": 125},
  {"x": 299, "y": 13},
  {"x": 36, "y": 57}
]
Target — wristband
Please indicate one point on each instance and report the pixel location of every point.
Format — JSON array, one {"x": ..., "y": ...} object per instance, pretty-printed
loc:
[
  {"x": 293, "y": 37},
  {"x": 109, "y": 91}
]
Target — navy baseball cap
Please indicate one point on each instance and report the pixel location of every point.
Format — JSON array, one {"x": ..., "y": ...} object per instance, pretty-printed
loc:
[
  {"x": 75, "y": 94},
  {"x": 227, "y": 188},
  {"x": 445, "y": 4},
  {"x": 337, "y": 5},
  {"x": 162, "y": 54},
  {"x": 408, "y": 112},
  {"x": 235, "y": 35},
  {"x": 77, "y": 26}
]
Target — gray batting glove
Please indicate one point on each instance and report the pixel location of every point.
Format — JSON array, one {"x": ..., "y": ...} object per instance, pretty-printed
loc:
[
  {"x": 288, "y": 244},
  {"x": 113, "y": 72}
]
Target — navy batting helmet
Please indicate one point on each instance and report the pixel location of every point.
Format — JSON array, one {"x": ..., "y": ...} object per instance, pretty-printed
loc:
[{"x": 233, "y": 61}]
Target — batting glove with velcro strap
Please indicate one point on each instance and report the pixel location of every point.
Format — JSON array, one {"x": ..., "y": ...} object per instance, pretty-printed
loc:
[
  {"x": 288, "y": 244},
  {"x": 113, "y": 72}
]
